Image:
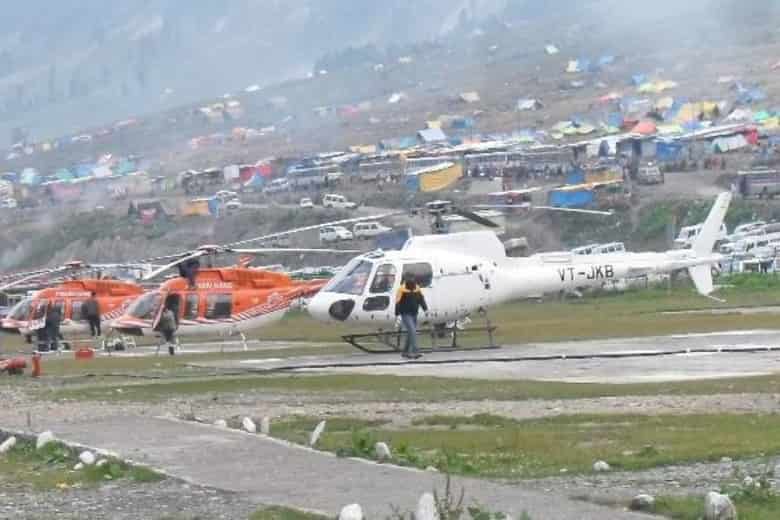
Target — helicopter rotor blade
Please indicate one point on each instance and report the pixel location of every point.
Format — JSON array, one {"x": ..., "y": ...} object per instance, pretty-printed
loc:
[
  {"x": 474, "y": 217},
  {"x": 313, "y": 227},
  {"x": 574, "y": 210},
  {"x": 180, "y": 260},
  {"x": 291, "y": 250}
]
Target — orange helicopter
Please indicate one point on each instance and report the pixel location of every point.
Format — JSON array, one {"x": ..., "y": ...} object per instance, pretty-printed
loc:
[{"x": 29, "y": 315}]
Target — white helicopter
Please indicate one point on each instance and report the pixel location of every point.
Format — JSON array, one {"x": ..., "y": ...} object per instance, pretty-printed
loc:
[{"x": 465, "y": 273}]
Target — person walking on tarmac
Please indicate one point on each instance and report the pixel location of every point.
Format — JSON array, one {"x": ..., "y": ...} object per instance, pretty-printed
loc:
[
  {"x": 91, "y": 312},
  {"x": 52, "y": 325},
  {"x": 167, "y": 328},
  {"x": 407, "y": 305}
]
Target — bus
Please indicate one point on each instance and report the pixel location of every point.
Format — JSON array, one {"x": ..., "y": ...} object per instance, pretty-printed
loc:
[
  {"x": 306, "y": 176},
  {"x": 378, "y": 167},
  {"x": 761, "y": 182}
]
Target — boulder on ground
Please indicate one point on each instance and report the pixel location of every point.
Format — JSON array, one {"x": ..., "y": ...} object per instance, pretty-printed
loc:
[
  {"x": 249, "y": 425},
  {"x": 78, "y": 467},
  {"x": 43, "y": 439},
  {"x": 315, "y": 435},
  {"x": 382, "y": 451},
  {"x": 101, "y": 463},
  {"x": 600, "y": 466},
  {"x": 220, "y": 423},
  {"x": 351, "y": 512},
  {"x": 643, "y": 502},
  {"x": 87, "y": 458},
  {"x": 7, "y": 444},
  {"x": 719, "y": 507},
  {"x": 426, "y": 508}
]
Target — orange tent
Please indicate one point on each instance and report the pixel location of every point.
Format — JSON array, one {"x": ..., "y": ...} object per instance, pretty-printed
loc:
[{"x": 645, "y": 128}]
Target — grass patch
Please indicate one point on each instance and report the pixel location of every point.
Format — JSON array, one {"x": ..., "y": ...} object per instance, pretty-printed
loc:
[
  {"x": 539, "y": 448},
  {"x": 755, "y": 507},
  {"x": 297, "y": 429},
  {"x": 367, "y": 388},
  {"x": 481, "y": 420},
  {"x": 284, "y": 513},
  {"x": 52, "y": 468}
]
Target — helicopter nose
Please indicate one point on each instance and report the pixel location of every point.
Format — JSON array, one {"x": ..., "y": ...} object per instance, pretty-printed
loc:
[{"x": 329, "y": 307}]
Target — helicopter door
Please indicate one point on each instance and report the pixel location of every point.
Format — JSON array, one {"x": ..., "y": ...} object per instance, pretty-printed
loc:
[
  {"x": 158, "y": 312},
  {"x": 38, "y": 315}
]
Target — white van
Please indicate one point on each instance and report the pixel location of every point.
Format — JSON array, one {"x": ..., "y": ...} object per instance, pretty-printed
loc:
[
  {"x": 277, "y": 186},
  {"x": 369, "y": 229},
  {"x": 330, "y": 234},
  {"x": 688, "y": 234},
  {"x": 337, "y": 201}
]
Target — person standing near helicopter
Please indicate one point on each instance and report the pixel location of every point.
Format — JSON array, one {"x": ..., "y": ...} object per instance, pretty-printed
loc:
[{"x": 407, "y": 305}]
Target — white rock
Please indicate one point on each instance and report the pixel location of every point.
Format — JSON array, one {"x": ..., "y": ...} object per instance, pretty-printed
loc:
[
  {"x": 351, "y": 512},
  {"x": 642, "y": 503},
  {"x": 220, "y": 423},
  {"x": 432, "y": 469},
  {"x": 265, "y": 425},
  {"x": 43, "y": 439},
  {"x": 726, "y": 460},
  {"x": 87, "y": 458},
  {"x": 101, "y": 463},
  {"x": 719, "y": 507},
  {"x": 249, "y": 425},
  {"x": 426, "y": 508},
  {"x": 600, "y": 466},
  {"x": 78, "y": 467},
  {"x": 315, "y": 435},
  {"x": 9, "y": 443},
  {"x": 748, "y": 482},
  {"x": 382, "y": 451}
]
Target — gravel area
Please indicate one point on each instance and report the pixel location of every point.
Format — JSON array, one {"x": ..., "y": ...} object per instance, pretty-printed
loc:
[{"x": 169, "y": 499}]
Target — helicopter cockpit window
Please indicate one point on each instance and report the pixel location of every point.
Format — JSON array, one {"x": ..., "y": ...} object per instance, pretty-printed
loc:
[
  {"x": 21, "y": 310},
  {"x": 422, "y": 272},
  {"x": 384, "y": 279},
  {"x": 145, "y": 307},
  {"x": 219, "y": 306},
  {"x": 354, "y": 280}
]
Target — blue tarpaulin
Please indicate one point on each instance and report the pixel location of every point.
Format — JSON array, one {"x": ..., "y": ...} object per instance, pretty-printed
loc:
[
  {"x": 668, "y": 151},
  {"x": 576, "y": 176},
  {"x": 638, "y": 79},
  {"x": 10, "y": 177},
  {"x": 462, "y": 123},
  {"x": 256, "y": 181},
  {"x": 214, "y": 205},
  {"x": 571, "y": 199},
  {"x": 84, "y": 170},
  {"x": 615, "y": 119}
]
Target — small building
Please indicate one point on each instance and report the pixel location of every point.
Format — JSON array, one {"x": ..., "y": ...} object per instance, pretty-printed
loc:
[{"x": 431, "y": 135}]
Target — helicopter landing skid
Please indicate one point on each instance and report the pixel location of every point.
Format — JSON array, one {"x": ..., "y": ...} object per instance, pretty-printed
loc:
[{"x": 389, "y": 342}]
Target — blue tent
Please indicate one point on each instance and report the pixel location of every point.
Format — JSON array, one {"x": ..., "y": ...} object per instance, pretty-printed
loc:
[
  {"x": 576, "y": 176},
  {"x": 668, "y": 151},
  {"x": 125, "y": 166},
  {"x": 256, "y": 182},
  {"x": 462, "y": 123},
  {"x": 615, "y": 119},
  {"x": 214, "y": 205},
  {"x": 84, "y": 170},
  {"x": 571, "y": 199}
]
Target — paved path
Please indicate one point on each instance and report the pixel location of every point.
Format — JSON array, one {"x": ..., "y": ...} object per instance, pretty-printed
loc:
[{"x": 273, "y": 472}]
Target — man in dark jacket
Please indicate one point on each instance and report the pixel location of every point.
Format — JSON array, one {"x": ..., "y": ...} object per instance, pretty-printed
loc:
[
  {"x": 407, "y": 304},
  {"x": 53, "y": 319},
  {"x": 91, "y": 312}
]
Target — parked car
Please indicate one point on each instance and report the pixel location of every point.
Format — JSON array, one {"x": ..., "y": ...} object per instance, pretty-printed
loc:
[
  {"x": 225, "y": 195},
  {"x": 277, "y": 186},
  {"x": 330, "y": 234},
  {"x": 306, "y": 203},
  {"x": 369, "y": 229},
  {"x": 8, "y": 204},
  {"x": 337, "y": 201}
]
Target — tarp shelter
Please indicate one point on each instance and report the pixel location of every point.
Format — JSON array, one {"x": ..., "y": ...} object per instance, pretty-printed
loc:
[
  {"x": 761, "y": 115},
  {"x": 434, "y": 178},
  {"x": 196, "y": 207},
  {"x": 10, "y": 177},
  {"x": 580, "y": 197},
  {"x": 30, "y": 177},
  {"x": 148, "y": 210},
  {"x": 63, "y": 174},
  {"x": 729, "y": 144},
  {"x": 462, "y": 123},
  {"x": 656, "y": 87},
  {"x": 431, "y": 135},
  {"x": 529, "y": 104},
  {"x": 645, "y": 127},
  {"x": 255, "y": 182},
  {"x": 750, "y": 95},
  {"x": 469, "y": 97},
  {"x": 84, "y": 170},
  {"x": 102, "y": 171},
  {"x": 740, "y": 114},
  {"x": 669, "y": 151}
]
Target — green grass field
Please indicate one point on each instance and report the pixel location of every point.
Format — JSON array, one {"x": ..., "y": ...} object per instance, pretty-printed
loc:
[
  {"x": 52, "y": 468},
  {"x": 497, "y": 447}
]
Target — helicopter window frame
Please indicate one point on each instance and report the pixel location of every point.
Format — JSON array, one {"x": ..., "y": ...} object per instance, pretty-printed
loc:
[
  {"x": 422, "y": 272},
  {"x": 76, "y": 310},
  {"x": 149, "y": 303},
  {"x": 386, "y": 275},
  {"x": 376, "y": 303},
  {"x": 355, "y": 279},
  {"x": 219, "y": 306},
  {"x": 190, "y": 311}
]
